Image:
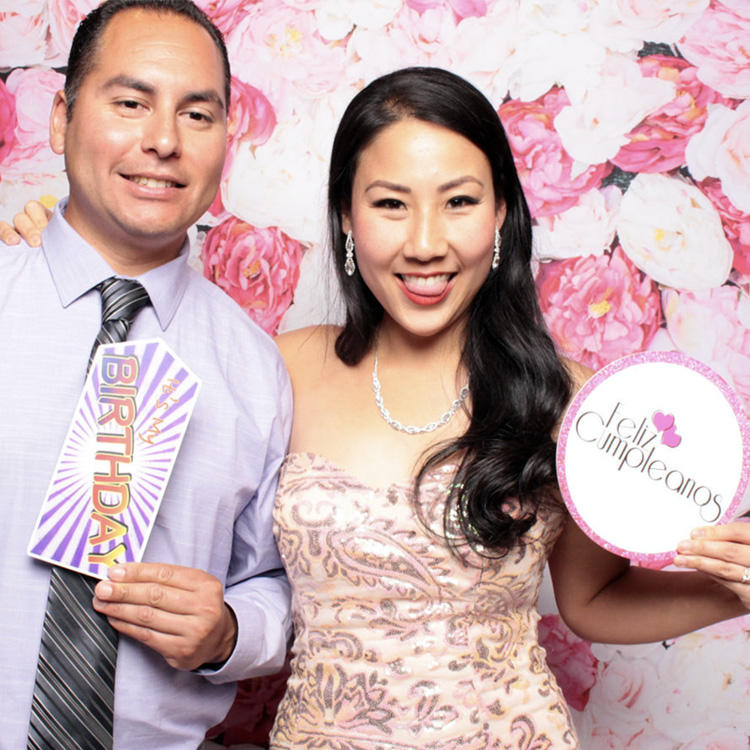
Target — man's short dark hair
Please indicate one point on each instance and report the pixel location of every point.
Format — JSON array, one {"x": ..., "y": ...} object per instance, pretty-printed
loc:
[{"x": 85, "y": 47}]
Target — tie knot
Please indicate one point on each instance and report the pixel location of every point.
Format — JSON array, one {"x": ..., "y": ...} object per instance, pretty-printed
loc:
[{"x": 121, "y": 299}]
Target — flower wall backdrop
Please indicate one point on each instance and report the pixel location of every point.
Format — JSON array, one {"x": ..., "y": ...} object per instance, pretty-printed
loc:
[{"x": 630, "y": 124}]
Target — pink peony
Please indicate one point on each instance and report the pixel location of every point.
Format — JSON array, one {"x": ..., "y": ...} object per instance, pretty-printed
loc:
[
  {"x": 257, "y": 267},
  {"x": 461, "y": 8},
  {"x": 736, "y": 223},
  {"x": 544, "y": 166},
  {"x": 280, "y": 51},
  {"x": 570, "y": 659},
  {"x": 598, "y": 308},
  {"x": 469, "y": 8},
  {"x": 224, "y": 13},
  {"x": 7, "y": 121},
  {"x": 22, "y": 38},
  {"x": 64, "y": 17},
  {"x": 717, "y": 45},
  {"x": 34, "y": 89},
  {"x": 251, "y": 119},
  {"x": 708, "y": 325},
  {"x": 658, "y": 143}
]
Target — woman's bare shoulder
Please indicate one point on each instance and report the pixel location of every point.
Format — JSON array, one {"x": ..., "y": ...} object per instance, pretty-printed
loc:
[
  {"x": 305, "y": 346},
  {"x": 578, "y": 373}
]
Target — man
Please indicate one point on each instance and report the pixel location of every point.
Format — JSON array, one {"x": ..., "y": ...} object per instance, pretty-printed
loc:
[{"x": 142, "y": 125}]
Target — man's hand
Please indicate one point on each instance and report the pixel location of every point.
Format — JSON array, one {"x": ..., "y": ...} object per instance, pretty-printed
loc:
[
  {"x": 179, "y": 612},
  {"x": 27, "y": 225}
]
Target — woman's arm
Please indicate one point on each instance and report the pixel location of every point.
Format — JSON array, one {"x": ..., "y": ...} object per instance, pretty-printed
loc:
[
  {"x": 603, "y": 598},
  {"x": 27, "y": 225}
]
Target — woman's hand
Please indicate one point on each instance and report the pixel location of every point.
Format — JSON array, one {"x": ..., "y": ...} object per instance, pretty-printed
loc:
[
  {"x": 722, "y": 552},
  {"x": 27, "y": 225}
]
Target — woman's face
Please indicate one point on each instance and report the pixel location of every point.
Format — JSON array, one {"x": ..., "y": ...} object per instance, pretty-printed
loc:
[{"x": 423, "y": 217}]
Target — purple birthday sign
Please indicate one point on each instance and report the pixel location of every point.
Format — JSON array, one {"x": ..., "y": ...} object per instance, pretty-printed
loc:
[{"x": 117, "y": 458}]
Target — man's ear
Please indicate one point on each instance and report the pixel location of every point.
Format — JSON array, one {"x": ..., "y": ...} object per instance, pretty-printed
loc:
[{"x": 58, "y": 122}]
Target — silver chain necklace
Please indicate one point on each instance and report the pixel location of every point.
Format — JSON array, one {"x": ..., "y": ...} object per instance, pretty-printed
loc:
[{"x": 412, "y": 429}]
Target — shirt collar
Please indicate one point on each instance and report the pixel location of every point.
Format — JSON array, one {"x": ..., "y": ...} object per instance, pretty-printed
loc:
[{"x": 76, "y": 268}]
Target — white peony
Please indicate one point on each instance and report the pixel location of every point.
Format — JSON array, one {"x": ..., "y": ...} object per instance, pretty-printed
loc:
[
  {"x": 23, "y": 38},
  {"x": 588, "y": 228},
  {"x": 595, "y": 125},
  {"x": 623, "y": 24},
  {"x": 722, "y": 150},
  {"x": 672, "y": 232},
  {"x": 281, "y": 183},
  {"x": 16, "y": 190},
  {"x": 706, "y": 681}
]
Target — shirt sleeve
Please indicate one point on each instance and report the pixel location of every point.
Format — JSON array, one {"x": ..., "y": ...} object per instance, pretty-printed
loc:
[{"x": 257, "y": 588}]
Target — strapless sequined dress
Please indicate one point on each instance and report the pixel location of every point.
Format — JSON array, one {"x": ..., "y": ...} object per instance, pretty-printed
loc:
[{"x": 398, "y": 644}]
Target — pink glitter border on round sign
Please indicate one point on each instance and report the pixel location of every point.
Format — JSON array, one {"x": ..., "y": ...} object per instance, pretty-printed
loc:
[{"x": 606, "y": 372}]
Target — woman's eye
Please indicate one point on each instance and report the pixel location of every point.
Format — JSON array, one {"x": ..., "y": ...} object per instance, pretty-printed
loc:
[
  {"x": 390, "y": 203},
  {"x": 459, "y": 201}
]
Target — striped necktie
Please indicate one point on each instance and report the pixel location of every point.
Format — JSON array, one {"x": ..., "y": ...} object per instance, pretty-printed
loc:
[{"x": 73, "y": 700}]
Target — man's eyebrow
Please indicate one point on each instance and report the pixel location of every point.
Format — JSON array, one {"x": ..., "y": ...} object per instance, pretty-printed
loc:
[{"x": 208, "y": 96}]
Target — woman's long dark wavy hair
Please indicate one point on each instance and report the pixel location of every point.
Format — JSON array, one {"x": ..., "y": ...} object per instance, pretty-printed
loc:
[{"x": 519, "y": 387}]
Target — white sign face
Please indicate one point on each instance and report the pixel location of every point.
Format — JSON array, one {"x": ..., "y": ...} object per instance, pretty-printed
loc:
[{"x": 653, "y": 445}]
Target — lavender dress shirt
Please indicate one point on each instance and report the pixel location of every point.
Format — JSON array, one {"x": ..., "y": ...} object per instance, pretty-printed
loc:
[{"x": 216, "y": 512}]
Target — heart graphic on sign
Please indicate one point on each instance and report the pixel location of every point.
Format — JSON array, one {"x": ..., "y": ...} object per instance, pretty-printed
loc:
[{"x": 664, "y": 423}]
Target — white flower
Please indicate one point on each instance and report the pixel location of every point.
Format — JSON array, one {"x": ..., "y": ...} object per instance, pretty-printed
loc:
[
  {"x": 595, "y": 126},
  {"x": 623, "y": 24},
  {"x": 588, "y": 228},
  {"x": 281, "y": 183},
  {"x": 706, "y": 683},
  {"x": 553, "y": 48},
  {"x": 672, "y": 232},
  {"x": 22, "y": 38},
  {"x": 481, "y": 49},
  {"x": 16, "y": 190},
  {"x": 722, "y": 149}
]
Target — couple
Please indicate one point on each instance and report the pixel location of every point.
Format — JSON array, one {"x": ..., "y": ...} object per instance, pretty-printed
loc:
[{"x": 417, "y": 505}]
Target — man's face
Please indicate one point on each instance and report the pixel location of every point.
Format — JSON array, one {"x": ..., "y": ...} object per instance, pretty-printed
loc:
[{"x": 145, "y": 146}]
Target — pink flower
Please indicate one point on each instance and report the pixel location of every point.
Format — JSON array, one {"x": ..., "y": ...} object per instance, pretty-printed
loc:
[
  {"x": 658, "y": 143},
  {"x": 224, "y": 13},
  {"x": 544, "y": 166},
  {"x": 251, "y": 119},
  {"x": 64, "y": 17},
  {"x": 570, "y": 659},
  {"x": 598, "y": 308},
  {"x": 34, "y": 89},
  {"x": 23, "y": 38},
  {"x": 708, "y": 325},
  {"x": 736, "y": 223},
  {"x": 257, "y": 267},
  {"x": 280, "y": 51},
  {"x": 7, "y": 122},
  {"x": 717, "y": 45},
  {"x": 469, "y": 8}
]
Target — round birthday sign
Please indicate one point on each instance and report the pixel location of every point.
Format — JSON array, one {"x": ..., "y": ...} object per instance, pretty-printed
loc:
[{"x": 653, "y": 445}]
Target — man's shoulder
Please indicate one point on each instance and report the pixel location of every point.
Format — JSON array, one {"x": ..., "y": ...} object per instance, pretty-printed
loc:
[{"x": 227, "y": 321}]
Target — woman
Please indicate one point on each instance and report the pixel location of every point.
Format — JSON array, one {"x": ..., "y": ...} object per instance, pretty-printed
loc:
[{"x": 418, "y": 505}]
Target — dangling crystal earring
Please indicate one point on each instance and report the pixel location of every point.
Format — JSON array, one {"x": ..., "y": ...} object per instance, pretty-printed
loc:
[
  {"x": 349, "y": 266},
  {"x": 496, "y": 253}
]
